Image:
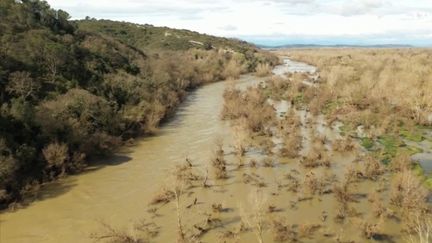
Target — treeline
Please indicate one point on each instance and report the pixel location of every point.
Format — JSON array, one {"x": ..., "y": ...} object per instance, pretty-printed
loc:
[{"x": 73, "y": 90}]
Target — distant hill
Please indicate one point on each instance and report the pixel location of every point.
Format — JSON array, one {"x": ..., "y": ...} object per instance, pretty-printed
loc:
[
  {"x": 333, "y": 46},
  {"x": 145, "y": 36}
]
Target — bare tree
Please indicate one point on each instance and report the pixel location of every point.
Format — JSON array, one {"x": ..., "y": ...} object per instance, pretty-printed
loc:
[
  {"x": 254, "y": 217},
  {"x": 22, "y": 84},
  {"x": 422, "y": 229}
]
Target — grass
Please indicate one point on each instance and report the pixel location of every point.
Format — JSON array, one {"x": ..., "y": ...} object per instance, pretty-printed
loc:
[
  {"x": 428, "y": 183},
  {"x": 391, "y": 145},
  {"x": 330, "y": 106},
  {"x": 413, "y": 150},
  {"x": 263, "y": 69},
  {"x": 415, "y": 136},
  {"x": 367, "y": 143}
]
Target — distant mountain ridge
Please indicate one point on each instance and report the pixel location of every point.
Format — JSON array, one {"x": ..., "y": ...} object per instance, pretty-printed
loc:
[{"x": 333, "y": 46}]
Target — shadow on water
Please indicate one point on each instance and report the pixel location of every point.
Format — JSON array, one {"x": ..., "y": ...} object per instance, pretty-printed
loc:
[
  {"x": 112, "y": 160},
  {"x": 177, "y": 117},
  {"x": 61, "y": 186}
]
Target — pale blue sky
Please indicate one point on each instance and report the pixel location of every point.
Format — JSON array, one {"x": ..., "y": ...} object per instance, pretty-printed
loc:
[{"x": 276, "y": 22}]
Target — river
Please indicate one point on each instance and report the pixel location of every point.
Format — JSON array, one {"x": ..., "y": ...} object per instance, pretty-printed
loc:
[{"x": 118, "y": 190}]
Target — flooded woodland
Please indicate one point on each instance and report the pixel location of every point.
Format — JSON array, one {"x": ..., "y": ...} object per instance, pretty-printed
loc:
[{"x": 243, "y": 160}]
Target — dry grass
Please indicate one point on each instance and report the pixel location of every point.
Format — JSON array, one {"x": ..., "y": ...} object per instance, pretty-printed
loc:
[
  {"x": 233, "y": 69},
  {"x": 249, "y": 108},
  {"x": 263, "y": 69},
  {"x": 365, "y": 80}
]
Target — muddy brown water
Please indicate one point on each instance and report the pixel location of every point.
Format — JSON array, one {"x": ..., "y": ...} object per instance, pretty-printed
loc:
[{"x": 119, "y": 190}]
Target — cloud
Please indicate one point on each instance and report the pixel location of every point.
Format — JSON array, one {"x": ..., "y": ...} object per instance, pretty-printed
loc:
[
  {"x": 229, "y": 28},
  {"x": 289, "y": 19},
  {"x": 165, "y": 8},
  {"x": 359, "y": 7}
]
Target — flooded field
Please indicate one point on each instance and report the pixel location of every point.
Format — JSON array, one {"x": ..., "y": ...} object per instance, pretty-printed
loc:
[{"x": 262, "y": 191}]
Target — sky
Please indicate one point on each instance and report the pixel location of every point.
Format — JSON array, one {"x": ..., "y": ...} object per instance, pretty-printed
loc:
[{"x": 275, "y": 22}]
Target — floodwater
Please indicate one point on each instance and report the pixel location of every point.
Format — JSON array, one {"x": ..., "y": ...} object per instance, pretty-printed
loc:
[{"x": 118, "y": 191}]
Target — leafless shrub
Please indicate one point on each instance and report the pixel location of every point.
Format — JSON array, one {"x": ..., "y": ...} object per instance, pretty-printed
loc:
[
  {"x": 408, "y": 193},
  {"x": 342, "y": 193},
  {"x": 292, "y": 145},
  {"x": 218, "y": 162},
  {"x": 229, "y": 235},
  {"x": 204, "y": 184},
  {"x": 282, "y": 231},
  {"x": 371, "y": 230},
  {"x": 293, "y": 183},
  {"x": 372, "y": 168},
  {"x": 313, "y": 183},
  {"x": 253, "y": 179},
  {"x": 267, "y": 145},
  {"x": 308, "y": 230},
  {"x": 164, "y": 196},
  {"x": 56, "y": 154},
  {"x": 344, "y": 145},
  {"x": 315, "y": 159},
  {"x": 209, "y": 223},
  {"x": 378, "y": 208},
  {"x": 155, "y": 114},
  {"x": 401, "y": 162},
  {"x": 22, "y": 84},
  {"x": 139, "y": 232},
  {"x": 186, "y": 174},
  {"x": 240, "y": 140},
  {"x": 422, "y": 228},
  {"x": 217, "y": 207},
  {"x": 253, "y": 163},
  {"x": 268, "y": 162},
  {"x": 291, "y": 122}
]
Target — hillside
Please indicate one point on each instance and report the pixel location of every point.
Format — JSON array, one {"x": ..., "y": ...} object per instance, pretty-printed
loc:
[
  {"x": 71, "y": 91},
  {"x": 151, "y": 37}
]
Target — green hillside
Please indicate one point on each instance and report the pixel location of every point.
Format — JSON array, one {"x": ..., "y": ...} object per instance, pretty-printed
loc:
[{"x": 73, "y": 90}]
